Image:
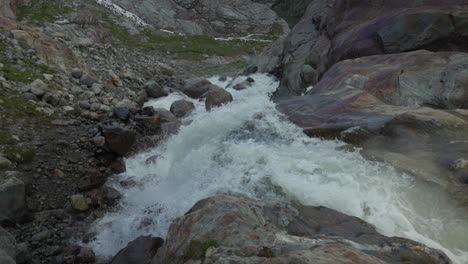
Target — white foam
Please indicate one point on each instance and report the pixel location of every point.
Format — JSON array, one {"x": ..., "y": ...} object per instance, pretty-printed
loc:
[{"x": 234, "y": 149}]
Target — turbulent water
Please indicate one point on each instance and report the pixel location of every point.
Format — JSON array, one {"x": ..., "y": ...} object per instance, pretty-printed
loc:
[{"x": 248, "y": 147}]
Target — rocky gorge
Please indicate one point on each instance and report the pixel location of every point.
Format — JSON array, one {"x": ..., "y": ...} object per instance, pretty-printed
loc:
[{"x": 249, "y": 131}]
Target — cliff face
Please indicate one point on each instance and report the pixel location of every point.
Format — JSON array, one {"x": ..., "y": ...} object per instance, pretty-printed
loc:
[
  {"x": 375, "y": 83},
  {"x": 208, "y": 17}
]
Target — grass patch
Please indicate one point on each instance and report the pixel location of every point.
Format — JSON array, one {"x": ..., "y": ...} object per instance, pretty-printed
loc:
[
  {"x": 276, "y": 30},
  {"x": 24, "y": 72},
  {"x": 3, "y": 45},
  {"x": 19, "y": 154},
  {"x": 44, "y": 11}
]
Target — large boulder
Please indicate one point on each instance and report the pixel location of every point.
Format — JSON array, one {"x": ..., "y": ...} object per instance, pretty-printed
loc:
[
  {"x": 7, "y": 247},
  {"x": 330, "y": 32},
  {"x": 119, "y": 139},
  {"x": 233, "y": 229},
  {"x": 155, "y": 90},
  {"x": 217, "y": 97},
  {"x": 400, "y": 107},
  {"x": 13, "y": 207},
  {"x": 182, "y": 108},
  {"x": 140, "y": 250},
  {"x": 196, "y": 88}
]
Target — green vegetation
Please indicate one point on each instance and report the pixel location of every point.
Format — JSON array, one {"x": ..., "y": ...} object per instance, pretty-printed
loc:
[
  {"x": 196, "y": 251},
  {"x": 3, "y": 45},
  {"x": 76, "y": 112},
  {"x": 26, "y": 71},
  {"x": 194, "y": 48},
  {"x": 44, "y": 11},
  {"x": 19, "y": 154},
  {"x": 17, "y": 107}
]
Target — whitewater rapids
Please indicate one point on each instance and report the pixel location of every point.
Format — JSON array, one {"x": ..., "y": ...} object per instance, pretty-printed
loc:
[{"x": 247, "y": 147}]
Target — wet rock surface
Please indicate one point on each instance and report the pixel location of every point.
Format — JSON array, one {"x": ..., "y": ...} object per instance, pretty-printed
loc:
[{"x": 227, "y": 228}]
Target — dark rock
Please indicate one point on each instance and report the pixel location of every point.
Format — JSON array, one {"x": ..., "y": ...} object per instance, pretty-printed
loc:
[
  {"x": 155, "y": 90},
  {"x": 76, "y": 73},
  {"x": 170, "y": 128},
  {"x": 182, "y": 108},
  {"x": 165, "y": 115},
  {"x": 86, "y": 255},
  {"x": 119, "y": 139},
  {"x": 93, "y": 179},
  {"x": 149, "y": 124},
  {"x": 142, "y": 98},
  {"x": 195, "y": 88},
  {"x": 88, "y": 80},
  {"x": 12, "y": 200},
  {"x": 122, "y": 113},
  {"x": 217, "y": 97},
  {"x": 7, "y": 247},
  {"x": 140, "y": 250},
  {"x": 118, "y": 166}
]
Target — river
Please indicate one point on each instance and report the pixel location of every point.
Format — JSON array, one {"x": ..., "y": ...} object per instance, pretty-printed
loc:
[{"x": 248, "y": 147}]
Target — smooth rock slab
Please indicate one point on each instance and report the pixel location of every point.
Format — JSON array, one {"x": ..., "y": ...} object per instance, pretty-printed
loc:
[{"x": 235, "y": 229}]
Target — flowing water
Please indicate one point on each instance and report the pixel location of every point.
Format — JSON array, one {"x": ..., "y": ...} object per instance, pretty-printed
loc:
[{"x": 248, "y": 147}]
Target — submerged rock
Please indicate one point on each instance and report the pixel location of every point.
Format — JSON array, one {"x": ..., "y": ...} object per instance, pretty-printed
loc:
[{"x": 235, "y": 229}]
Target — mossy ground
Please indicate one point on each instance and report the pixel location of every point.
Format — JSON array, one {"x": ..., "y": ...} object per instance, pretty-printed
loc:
[
  {"x": 24, "y": 71},
  {"x": 187, "y": 47},
  {"x": 44, "y": 11}
]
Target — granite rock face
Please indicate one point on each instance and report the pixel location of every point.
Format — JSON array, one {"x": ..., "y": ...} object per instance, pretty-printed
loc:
[
  {"x": 332, "y": 31},
  {"x": 208, "y": 17},
  {"x": 233, "y": 229},
  {"x": 406, "y": 109}
]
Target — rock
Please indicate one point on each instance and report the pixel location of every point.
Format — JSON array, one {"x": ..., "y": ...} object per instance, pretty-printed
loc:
[
  {"x": 122, "y": 113},
  {"x": 140, "y": 250},
  {"x": 78, "y": 202},
  {"x": 99, "y": 141},
  {"x": 38, "y": 88},
  {"x": 53, "y": 98},
  {"x": 165, "y": 69},
  {"x": 7, "y": 247},
  {"x": 195, "y": 88},
  {"x": 76, "y": 73},
  {"x": 142, "y": 98},
  {"x": 155, "y": 90},
  {"x": 127, "y": 103},
  {"x": 217, "y": 97},
  {"x": 41, "y": 235},
  {"x": 88, "y": 80},
  {"x": 387, "y": 98},
  {"x": 165, "y": 115},
  {"x": 86, "y": 255},
  {"x": 208, "y": 17},
  {"x": 12, "y": 200},
  {"x": 23, "y": 254},
  {"x": 5, "y": 163},
  {"x": 182, "y": 108},
  {"x": 118, "y": 166},
  {"x": 119, "y": 139},
  {"x": 115, "y": 79},
  {"x": 285, "y": 232},
  {"x": 149, "y": 124},
  {"x": 25, "y": 39},
  {"x": 319, "y": 40}
]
